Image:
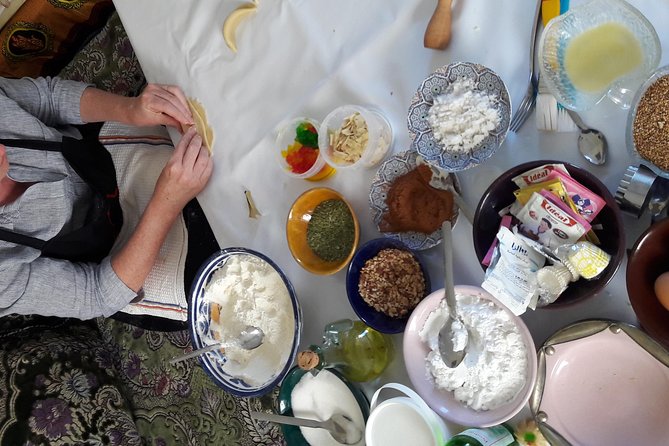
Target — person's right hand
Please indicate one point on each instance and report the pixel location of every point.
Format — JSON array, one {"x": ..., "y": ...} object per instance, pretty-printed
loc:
[{"x": 185, "y": 174}]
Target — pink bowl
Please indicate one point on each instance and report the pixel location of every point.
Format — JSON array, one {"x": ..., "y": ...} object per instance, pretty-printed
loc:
[{"x": 443, "y": 402}]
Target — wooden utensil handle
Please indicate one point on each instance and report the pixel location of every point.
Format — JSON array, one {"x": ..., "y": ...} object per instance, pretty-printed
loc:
[{"x": 438, "y": 32}]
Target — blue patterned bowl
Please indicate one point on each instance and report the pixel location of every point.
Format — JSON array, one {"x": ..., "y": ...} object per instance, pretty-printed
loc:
[
  {"x": 201, "y": 335},
  {"x": 389, "y": 171},
  {"x": 436, "y": 84}
]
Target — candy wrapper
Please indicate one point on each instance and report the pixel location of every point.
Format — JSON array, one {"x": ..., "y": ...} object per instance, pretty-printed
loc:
[
  {"x": 538, "y": 174},
  {"x": 511, "y": 277},
  {"x": 588, "y": 204},
  {"x": 550, "y": 222},
  {"x": 586, "y": 259}
]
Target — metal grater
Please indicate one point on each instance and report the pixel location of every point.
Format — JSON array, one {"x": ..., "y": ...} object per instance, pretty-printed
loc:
[{"x": 640, "y": 189}]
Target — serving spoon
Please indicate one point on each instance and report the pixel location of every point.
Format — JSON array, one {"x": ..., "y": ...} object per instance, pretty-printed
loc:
[
  {"x": 451, "y": 354},
  {"x": 249, "y": 338},
  {"x": 341, "y": 427},
  {"x": 591, "y": 142}
]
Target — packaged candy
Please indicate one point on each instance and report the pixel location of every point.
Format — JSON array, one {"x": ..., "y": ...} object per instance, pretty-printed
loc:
[
  {"x": 552, "y": 281},
  {"x": 550, "y": 222},
  {"x": 588, "y": 204},
  {"x": 588, "y": 260},
  {"x": 554, "y": 186},
  {"x": 511, "y": 277},
  {"x": 538, "y": 174},
  {"x": 506, "y": 223}
]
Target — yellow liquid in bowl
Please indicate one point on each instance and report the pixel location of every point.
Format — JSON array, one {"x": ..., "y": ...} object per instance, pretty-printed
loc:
[{"x": 594, "y": 59}]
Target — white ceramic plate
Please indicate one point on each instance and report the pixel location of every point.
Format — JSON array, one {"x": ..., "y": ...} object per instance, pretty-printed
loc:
[
  {"x": 443, "y": 402},
  {"x": 602, "y": 383}
]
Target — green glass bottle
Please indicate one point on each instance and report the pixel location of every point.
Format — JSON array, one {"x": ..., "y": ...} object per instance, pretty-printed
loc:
[
  {"x": 498, "y": 435},
  {"x": 359, "y": 352}
]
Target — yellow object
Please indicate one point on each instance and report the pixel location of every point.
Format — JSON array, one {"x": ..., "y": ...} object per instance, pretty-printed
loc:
[
  {"x": 662, "y": 289},
  {"x": 324, "y": 173},
  {"x": 203, "y": 129},
  {"x": 549, "y": 10},
  {"x": 588, "y": 260},
  {"x": 599, "y": 56},
  {"x": 233, "y": 21},
  {"x": 296, "y": 231}
]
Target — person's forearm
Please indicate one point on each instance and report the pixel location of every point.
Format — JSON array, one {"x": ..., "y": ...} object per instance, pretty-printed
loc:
[
  {"x": 134, "y": 261},
  {"x": 99, "y": 106}
]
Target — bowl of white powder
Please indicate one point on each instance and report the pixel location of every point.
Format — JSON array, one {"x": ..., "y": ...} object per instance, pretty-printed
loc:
[
  {"x": 497, "y": 375},
  {"x": 236, "y": 288},
  {"x": 459, "y": 116}
]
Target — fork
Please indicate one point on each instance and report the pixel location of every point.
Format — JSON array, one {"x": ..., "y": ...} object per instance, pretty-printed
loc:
[{"x": 527, "y": 102}]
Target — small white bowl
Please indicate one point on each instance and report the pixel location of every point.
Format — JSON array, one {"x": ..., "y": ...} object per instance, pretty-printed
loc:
[{"x": 379, "y": 141}]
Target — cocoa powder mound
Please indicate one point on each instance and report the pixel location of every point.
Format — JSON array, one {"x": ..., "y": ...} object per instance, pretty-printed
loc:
[{"x": 414, "y": 205}]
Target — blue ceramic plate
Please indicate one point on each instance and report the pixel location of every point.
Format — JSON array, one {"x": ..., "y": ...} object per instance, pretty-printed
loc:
[
  {"x": 371, "y": 317},
  {"x": 436, "y": 84},
  {"x": 292, "y": 434},
  {"x": 199, "y": 321},
  {"x": 394, "y": 167}
]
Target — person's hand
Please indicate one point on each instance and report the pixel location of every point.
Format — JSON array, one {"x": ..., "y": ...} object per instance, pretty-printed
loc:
[
  {"x": 185, "y": 175},
  {"x": 161, "y": 105}
]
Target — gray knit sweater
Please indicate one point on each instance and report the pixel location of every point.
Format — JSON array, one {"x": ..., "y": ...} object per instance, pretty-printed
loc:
[{"x": 44, "y": 109}]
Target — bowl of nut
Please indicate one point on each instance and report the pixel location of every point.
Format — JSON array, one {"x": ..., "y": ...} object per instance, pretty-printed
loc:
[
  {"x": 648, "y": 123},
  {"x": 384, "y": 283},
  {"x": 352, "y": 136}
]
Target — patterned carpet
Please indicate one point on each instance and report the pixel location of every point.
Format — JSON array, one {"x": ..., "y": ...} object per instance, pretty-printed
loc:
[{"x": 65, "y": 382}]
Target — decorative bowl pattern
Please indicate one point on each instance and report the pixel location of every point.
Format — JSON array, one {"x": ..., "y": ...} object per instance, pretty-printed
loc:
[
  {"x": 199, "y": 322},
  {"x": 391, "y": 169},
  {"x": 437, "y": 83}
]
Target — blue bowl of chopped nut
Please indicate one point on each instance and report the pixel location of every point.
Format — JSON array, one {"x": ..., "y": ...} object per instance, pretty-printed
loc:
[{"x": 384, "y": 283}]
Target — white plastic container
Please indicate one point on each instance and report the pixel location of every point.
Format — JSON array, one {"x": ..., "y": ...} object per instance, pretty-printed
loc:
[
  {"x": 380, "y": 136},
  {"x": 286, "y": 137},
  {"x": 403, "y": 420}
]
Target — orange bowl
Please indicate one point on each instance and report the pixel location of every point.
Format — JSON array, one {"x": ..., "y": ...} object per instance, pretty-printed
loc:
[{"x": 296, "y": 231}]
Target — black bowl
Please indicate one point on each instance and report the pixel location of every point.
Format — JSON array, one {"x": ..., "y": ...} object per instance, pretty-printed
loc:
[{"x": 500, "y": 195}]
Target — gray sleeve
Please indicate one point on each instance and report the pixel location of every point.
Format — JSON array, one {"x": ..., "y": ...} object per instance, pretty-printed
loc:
[
  {"x": 52, "y": 100},
  {"x": 53, "y": 287}
]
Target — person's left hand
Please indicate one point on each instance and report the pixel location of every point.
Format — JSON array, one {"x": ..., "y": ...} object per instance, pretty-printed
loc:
[{"x": 161, "y": 105}]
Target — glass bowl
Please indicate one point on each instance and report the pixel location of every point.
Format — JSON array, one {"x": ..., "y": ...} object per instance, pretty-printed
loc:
[
  {"x": 564, "y": 29},
  {"x": 296, "y": 231},
  {"x": 631, "y": 118}
]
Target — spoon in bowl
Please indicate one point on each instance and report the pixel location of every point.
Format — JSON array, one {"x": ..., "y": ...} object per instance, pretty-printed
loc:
[
  {"x": 341, "y": 427},
  {"x": 251, "y": 337},
  {"x": 453, "y": 336},
  {"x": 591, "y": 143}
]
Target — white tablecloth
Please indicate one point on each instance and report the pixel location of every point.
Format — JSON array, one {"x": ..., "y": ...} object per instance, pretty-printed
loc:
[{"x": 306, "y": 57}]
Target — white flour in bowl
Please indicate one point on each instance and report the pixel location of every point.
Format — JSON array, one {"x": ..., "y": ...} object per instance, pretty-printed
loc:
[
  {"x": 249, "y": 291},
  {"x": 494, "y": 369},
  {"x": 463, "y": 117}
]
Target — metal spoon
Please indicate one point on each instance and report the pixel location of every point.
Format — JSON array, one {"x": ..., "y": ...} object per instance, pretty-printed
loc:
[
  {"x": 251, "y": 337},
  {"x": 341, "y": 427},
  {"x": 451, "y": 354},
  {"x": 591, "y": 142}
]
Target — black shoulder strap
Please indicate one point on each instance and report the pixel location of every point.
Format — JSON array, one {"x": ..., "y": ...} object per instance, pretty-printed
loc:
[
  {"x": 20, "y": 239},
  {"x": 34, "y": 144}
]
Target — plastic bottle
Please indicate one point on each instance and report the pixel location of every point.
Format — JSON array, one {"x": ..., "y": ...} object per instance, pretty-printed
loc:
[
  {"x": 359, "y": 352},
  {"x": 498, "y": 435}
]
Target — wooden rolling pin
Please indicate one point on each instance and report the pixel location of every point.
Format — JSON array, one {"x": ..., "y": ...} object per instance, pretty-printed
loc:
[{"x": 438, "y": 32}]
